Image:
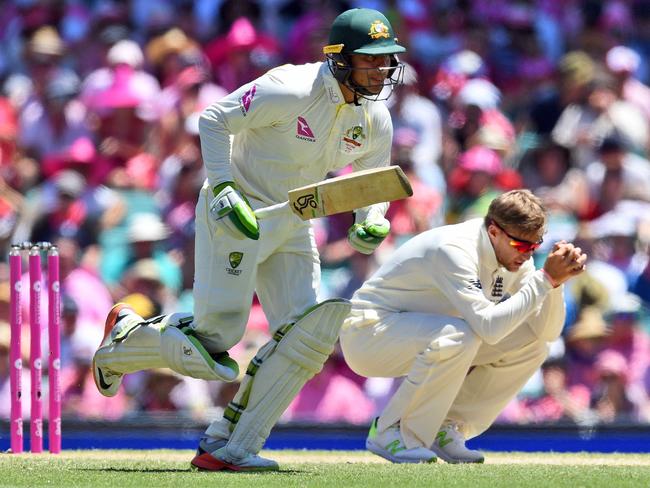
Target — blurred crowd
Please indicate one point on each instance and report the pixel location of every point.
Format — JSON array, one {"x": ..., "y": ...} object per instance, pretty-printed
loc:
[{"x": 99, "y": 154}]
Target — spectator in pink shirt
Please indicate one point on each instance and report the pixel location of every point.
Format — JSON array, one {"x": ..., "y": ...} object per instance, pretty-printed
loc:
[{"x": 559, "y": 401}]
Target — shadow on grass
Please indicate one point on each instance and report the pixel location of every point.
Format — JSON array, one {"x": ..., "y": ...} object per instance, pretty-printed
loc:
[{"x": 191, "y": 470}]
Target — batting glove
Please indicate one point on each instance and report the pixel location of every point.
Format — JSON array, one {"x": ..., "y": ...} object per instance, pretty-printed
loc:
[
  {"x": 366, "y": 236},
  {"x": 230, "y": 209}
]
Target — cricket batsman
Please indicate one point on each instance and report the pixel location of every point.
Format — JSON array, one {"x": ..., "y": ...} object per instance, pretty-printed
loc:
[
  {"x": 284, "y": 130},
  {"x": 463, "y": 315}
]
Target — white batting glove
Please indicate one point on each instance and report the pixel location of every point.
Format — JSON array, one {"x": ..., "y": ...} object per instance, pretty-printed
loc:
[{"x": 230, "y": 209}]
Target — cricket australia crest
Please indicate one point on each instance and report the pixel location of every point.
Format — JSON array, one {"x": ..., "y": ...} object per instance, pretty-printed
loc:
[
  {"x": 378, "y": 30},
  {"x": 234, "y": 259}
]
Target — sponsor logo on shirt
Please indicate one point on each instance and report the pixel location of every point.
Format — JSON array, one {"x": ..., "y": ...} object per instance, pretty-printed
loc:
[
  {"x": 334, "y": 97},
  {"x": 303, "y": 131},
  {"x": 234, "y": 259},
  {"x": 353, "y": 138},
  {"x": 246, "y": 99},
  {"x": 497, "y": 289}
]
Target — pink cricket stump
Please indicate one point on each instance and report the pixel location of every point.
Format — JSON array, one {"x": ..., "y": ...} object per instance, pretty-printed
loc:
[
  {"x": 54, "y": 330},
  {"x": 36, "y": 373},
  {"x": 15, "y": 355}
]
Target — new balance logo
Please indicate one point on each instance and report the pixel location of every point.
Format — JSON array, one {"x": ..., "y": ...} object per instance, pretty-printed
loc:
[
  {"x": 395, "y": 446},
  {"x": 476, "y": 283},
  {"x": 303, "y": 131},
  {"x": 442, "y": 440}
]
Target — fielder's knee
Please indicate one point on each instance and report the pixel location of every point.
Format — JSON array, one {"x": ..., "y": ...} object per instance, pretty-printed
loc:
[{"x": 454, "y": 339}]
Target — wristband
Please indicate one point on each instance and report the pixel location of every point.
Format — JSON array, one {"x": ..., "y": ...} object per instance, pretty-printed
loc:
[{"x": 550, "y": 279}]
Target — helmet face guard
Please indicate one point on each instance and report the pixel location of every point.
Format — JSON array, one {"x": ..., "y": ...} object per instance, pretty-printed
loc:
[
  {"x": 340, "y": 66},
  {"x": 364, "y": 31}
]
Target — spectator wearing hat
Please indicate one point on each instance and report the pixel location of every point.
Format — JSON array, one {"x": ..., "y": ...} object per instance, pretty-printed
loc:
[
  {"x": 617, "y": 174},
  {"x": 122, "y": 94},
  {"x": 58, "y": 210},
  {"x": 146, "y": 237},
  {"x": 575, "y": 71},
  {"x": 628, "y": 337},
  {"x": 582, "y": 127},
  {"x": 50, "y": 124},
  {"x": 42, "y": 55},
  {"x": 616, "y": 242},
  {"x": 584, "y": 340},
  {"x": 610, "y": 399},
  {"x": 549, "y": 172},
  {"x": 242, "y": 54},
  {"x": 623, "y": 63},
  {"x": 473, "y": 183}
]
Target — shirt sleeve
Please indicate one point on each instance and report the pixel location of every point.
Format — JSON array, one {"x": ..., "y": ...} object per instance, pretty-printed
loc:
[
  {"x": 547, "y": 323},
  {"x": 261, "y": 103},
  {"x": 490, "y": 321}
]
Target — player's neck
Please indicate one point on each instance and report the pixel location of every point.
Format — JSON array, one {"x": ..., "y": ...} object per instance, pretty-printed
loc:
[{"x": 348, "y": 94}]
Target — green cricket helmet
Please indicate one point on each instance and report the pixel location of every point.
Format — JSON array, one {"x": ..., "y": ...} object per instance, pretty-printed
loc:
[{"x": 363, "y": 31}]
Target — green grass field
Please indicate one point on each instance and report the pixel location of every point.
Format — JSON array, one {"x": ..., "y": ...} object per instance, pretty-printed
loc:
[{"x": 159, "y": 468}]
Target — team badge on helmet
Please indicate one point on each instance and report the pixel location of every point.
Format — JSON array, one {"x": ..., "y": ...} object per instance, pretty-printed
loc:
[{"x": 378, "y": 30}]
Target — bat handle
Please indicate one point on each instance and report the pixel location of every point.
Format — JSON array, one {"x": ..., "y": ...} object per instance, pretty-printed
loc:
[{"x": 272, "y": 210}]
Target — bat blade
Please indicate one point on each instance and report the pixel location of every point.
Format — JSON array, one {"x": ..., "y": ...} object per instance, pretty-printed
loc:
[{"x": 349, "y": 192}]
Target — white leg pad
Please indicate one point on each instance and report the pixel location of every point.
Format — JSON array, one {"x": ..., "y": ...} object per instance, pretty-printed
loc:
[
  {"x": 185, "y": 354},
  {"x": 279, "y": 371},
  {"x": 135, "y": 350}
]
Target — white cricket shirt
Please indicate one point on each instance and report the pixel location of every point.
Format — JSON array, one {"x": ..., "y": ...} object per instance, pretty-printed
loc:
[
  {"x": 453, "y": 270},
  {"x": 291, "y": 127}
]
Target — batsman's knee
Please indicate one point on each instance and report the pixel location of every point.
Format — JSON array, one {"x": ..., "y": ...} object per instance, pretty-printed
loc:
[{"x": 184, "y": 353}]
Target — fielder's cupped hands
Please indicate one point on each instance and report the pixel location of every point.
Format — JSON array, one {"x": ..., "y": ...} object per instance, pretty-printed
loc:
[{"x": 564, "y": 262}]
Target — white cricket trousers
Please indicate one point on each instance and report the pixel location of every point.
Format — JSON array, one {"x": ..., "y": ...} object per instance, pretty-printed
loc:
[
  {"x": 449, "y": 372},
  {"x": 282, "y": 266}
]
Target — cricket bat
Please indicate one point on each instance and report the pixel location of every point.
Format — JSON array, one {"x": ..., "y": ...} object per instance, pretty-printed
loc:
[{"x": 343, "y": 193}]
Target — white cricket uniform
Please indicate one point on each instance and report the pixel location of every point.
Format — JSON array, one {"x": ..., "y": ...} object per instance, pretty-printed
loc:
[
  {"x": 289, "y": 128},
  {"x": 439, "y": 306}
]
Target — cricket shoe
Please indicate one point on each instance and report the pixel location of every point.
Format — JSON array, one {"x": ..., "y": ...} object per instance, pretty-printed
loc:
[
  {"x": 389, "y": 445},
  {"x": 221, "y": 460},
  {"x": 121, "y": 321},
  {"x": 449, "y": 445}
]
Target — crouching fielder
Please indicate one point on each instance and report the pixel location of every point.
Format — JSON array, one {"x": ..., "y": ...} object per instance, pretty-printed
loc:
[{"x": 462, "y": 314}]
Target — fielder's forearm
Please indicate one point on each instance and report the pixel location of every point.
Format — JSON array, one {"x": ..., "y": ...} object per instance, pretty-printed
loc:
[{"x": 547, "y": 323}]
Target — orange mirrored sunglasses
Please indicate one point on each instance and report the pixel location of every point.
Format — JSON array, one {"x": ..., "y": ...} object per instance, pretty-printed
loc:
[{"x": 520, "y": 244}]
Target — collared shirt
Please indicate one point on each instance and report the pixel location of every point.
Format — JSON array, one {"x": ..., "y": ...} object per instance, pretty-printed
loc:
[
  {"x": 453, "y": 270},
  {"x": 291, "y": 127}
]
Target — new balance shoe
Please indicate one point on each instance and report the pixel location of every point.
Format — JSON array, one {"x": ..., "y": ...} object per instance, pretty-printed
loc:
[
  {"x": 449, "y": 445},
  {"x": 120, "y": 322},
  {"x": 389, "y": 445},
  {"x": 220, "y": 459}
]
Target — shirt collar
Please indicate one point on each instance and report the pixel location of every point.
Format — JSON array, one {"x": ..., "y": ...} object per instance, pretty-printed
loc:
[
  {"x": 486, "y": 250},
  {"x": 332, "y": 88}
]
